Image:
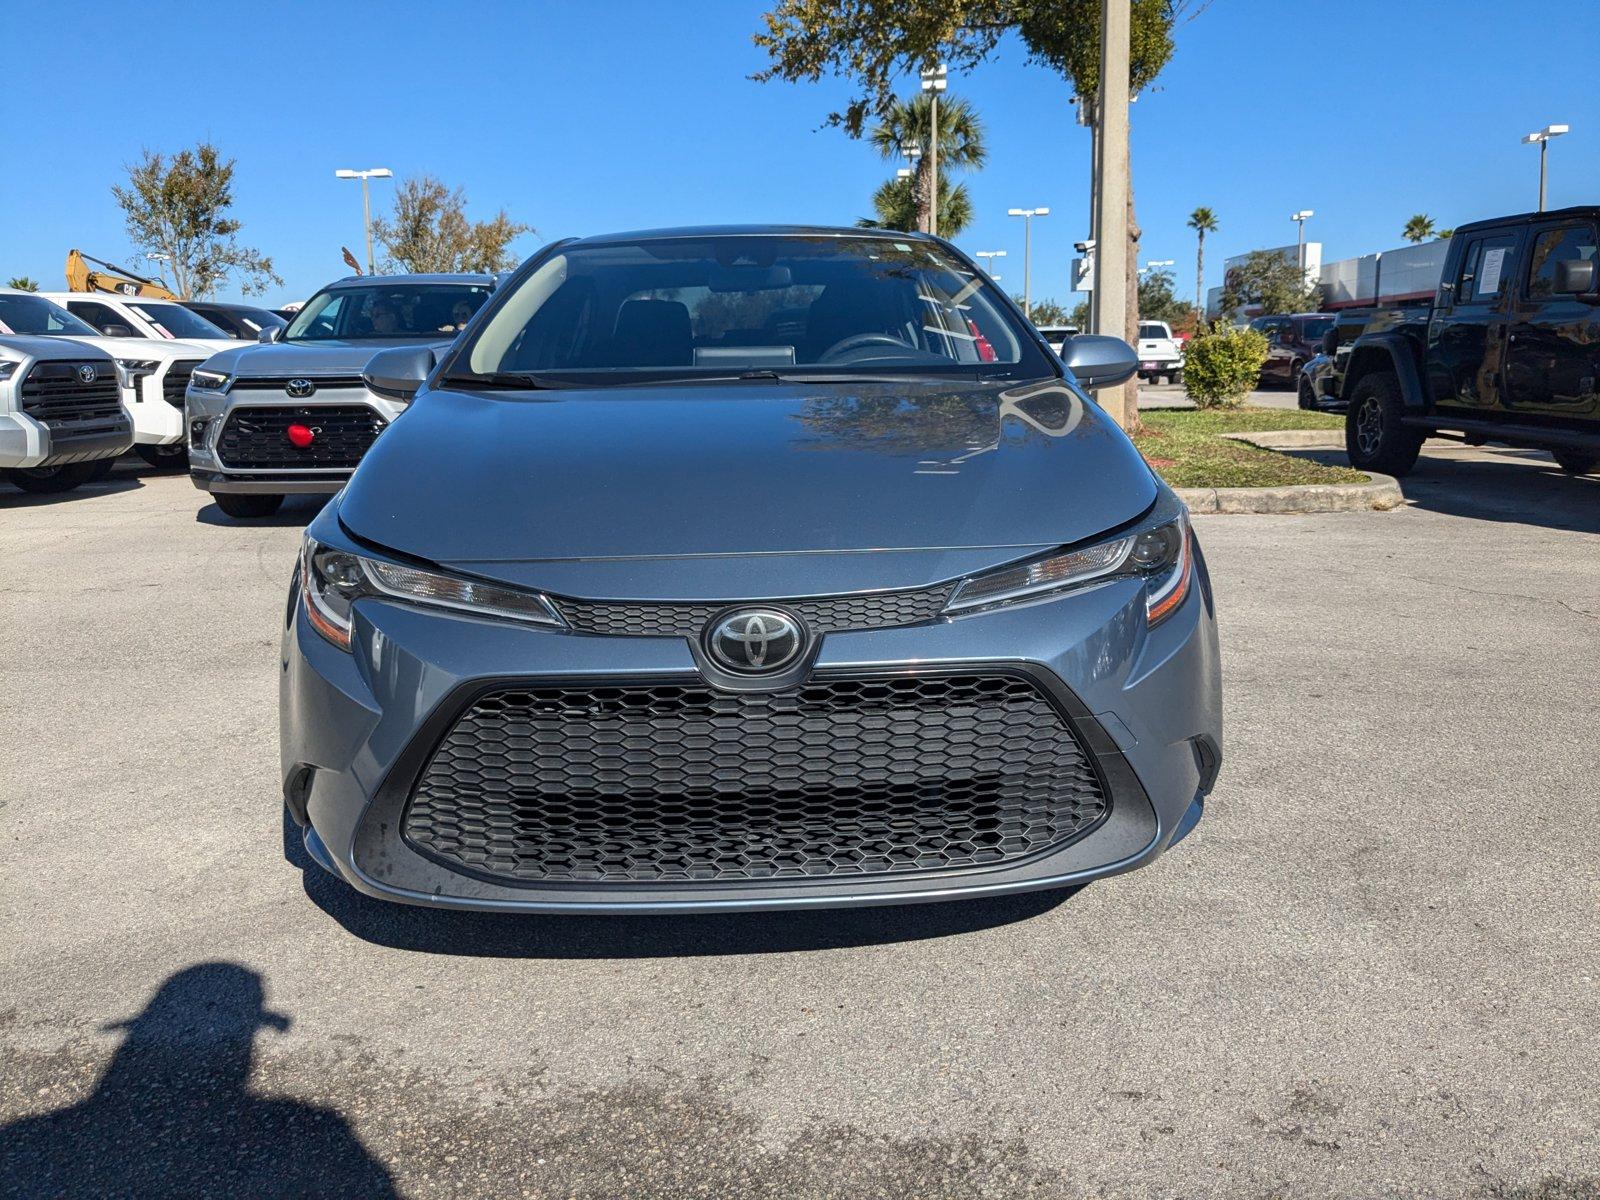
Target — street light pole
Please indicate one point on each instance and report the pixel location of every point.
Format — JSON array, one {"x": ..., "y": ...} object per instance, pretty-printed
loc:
[
  {"x": 1027, "y": 215},
  {"x": 1543, "y": 136},
  {"x": 1300, "y": 218},
  {"x": 366, "y": 202},
  {"x": 933, "y": 82},
  {"x": 988, "y": 265}
]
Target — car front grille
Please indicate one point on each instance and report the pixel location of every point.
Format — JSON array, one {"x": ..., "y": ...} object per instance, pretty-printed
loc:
[
  {"x": 257, "y": 437},
  {"x": 279, "y": 383},
  {"x": 839, "y": 777},
  {"x": 53, "y": 394},
  {"x": 823, "y": 614},
  {"x": 176, "y": 381}
]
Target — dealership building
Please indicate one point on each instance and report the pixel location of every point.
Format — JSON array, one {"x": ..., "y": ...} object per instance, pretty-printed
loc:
[{"x": 1407, "y": 275}]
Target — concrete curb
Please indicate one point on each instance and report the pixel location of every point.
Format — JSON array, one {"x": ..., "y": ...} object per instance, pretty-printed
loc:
[{"x": 1380, "y": 494}]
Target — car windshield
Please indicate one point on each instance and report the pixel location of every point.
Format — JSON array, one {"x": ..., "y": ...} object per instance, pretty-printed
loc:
[
  {"x": 1312, "y": 331},
  {"x": 175, "y": 321},
  {"x": 387, "y": 310},
  {"x": 36, "y": 315},
  {"x": 665, "y": 307},
  {"x": 1152, "y": 331}
]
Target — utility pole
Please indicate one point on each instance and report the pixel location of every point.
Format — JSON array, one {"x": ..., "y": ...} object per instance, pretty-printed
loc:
[
  {"x": 1112, "y": 199},
  {"x": 366, "y": 202},
  {"x": 934, "y": 82},
  {"x": 988, "y": 257}
]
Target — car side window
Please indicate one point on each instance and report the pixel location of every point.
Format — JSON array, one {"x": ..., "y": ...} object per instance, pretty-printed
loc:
[
  {"x": 1570, "y": 243},
  {"x": 1485, "y": 268},
  {"x": 101, "y": 316}
]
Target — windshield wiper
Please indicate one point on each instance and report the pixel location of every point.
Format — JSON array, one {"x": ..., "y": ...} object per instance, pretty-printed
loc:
[{"x": 513, "y": 380}]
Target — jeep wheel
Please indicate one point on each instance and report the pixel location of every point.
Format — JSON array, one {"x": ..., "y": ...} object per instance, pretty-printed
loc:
[
  {"x": 51, "y": 479},
  {"x": 1576, "y": 462},
  {"x": 1374, "y": 437},
  {"x": 171, "y": 457},
  {"x": 247, "y": 504},
  {"x": 1308, "y": 398},
  {"x": 1295, "y": 367}
]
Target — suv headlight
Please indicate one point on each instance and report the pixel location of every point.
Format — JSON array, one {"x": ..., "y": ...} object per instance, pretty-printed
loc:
[
  {"x": 331, "y": 581},
  {"x": 209, "y": 381},
  {"x": 131, "y": 370},
  {"x": 1161, "y": 555},
  {"x": 8, "y": 368}
]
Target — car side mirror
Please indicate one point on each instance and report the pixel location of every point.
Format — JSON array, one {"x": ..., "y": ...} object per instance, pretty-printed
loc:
[
  {"x": 113, "y": 329},
  {"x": 1330, "y": 342},
  {"x": 270, "y": 333},
  {"x": 1097, "y": 361},
  {"x": 399, "y": 374},
  {"x": 1575, "y": 276}
]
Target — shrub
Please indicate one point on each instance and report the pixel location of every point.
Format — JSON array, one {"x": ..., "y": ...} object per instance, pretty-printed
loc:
[{"x": 1222, "y": 364}]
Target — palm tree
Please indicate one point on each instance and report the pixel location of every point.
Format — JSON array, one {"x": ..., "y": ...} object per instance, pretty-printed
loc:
[
  {"x": 1203, "y": 221},
  {"x": 1418, "y": 229},
  {"x": 897, "y": 205},
  {"x": 911, "y": 124}
]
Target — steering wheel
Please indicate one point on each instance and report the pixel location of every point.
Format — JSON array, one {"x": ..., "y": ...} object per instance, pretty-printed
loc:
[{"x": 857, "y": 340}]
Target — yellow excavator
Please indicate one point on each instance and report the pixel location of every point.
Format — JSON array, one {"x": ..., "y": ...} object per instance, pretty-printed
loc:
[{"x": 81, "y": 277}]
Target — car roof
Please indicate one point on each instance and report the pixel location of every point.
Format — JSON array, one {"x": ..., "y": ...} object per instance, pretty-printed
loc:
[
  {"x": 1588, "y": 211},
  {"x": 692, "y": 231}
]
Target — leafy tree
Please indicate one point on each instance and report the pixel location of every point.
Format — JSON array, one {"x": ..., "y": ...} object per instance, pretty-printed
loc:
[
  {"x": 429, "y": 231},
  {"x": 1418, "y": 229},
  {"x": 1222, "y": 364},
  {"x": 1203, "y": 221},
  {"x": 178, "y": 207},
  {"x": 1446, "y": 234},
  {"x": 897, "y": 205},
  {"x": 1045, "y": 312},
  {"x": 872, "y": 42},
  {"x": 1079, "y": 317},
  {"x": 1274, "y": 283},
  {"x": 960, "y": 147},
  {"x": 1157, "y": 302},
  {"x": 22, "y": 283}
]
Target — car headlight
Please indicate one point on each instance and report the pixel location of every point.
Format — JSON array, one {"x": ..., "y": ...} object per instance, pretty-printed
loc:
[
  {"x": 8, "y": 368},
  {"x": 131, "y": 370},
  {"x": 209, "y": 381},
  {"x": 331, "y": 581},
  {"x": 1162, "y": 556}
]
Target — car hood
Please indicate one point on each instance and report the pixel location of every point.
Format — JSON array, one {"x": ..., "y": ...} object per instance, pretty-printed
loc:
[
  {"x": 147, "y": 349},
  {"x": 273, "y": 359},
  {"x": 749, "y": 489}
]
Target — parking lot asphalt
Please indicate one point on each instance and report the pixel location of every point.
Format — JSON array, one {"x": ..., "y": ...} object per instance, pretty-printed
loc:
[{"x": 1374, "y": 969}]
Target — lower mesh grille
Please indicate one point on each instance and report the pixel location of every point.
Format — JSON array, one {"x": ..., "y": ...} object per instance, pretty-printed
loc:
[
  {"x": 258, "y": 437},
  {"x": 675, "y": 782}
]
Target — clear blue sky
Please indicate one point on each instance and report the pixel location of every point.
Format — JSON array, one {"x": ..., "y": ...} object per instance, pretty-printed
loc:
[{"x": 583, "y": 118}]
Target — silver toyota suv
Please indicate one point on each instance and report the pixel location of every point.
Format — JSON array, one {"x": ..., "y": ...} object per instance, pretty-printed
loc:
[
  {"x": 291, "y": 414},
  {"x": 61, "y": 418}
]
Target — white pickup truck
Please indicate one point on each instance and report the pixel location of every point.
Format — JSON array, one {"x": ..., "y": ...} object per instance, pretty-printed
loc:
[
  {"x": 61, "y": 420},
  {"x": 1160, "y": 356}
]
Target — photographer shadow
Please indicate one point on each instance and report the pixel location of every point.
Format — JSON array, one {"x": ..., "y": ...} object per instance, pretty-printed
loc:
[{"x": 173, "y": 1115}]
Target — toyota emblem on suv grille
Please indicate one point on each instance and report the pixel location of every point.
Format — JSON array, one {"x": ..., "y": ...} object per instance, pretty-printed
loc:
[
  {"x": 755, "y": 640},
  {"x": 299, "y": 389},
  {"x": 87, "y": 374}
]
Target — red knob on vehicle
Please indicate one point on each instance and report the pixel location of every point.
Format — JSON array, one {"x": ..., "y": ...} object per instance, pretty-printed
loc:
[{"x": 301, "y": 435}]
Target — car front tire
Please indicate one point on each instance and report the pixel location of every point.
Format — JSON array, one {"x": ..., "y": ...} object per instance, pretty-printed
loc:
[
  {"x": 1576, "y": 462},
  {"x": 171, "y": 457},
  {"x": 1374, "y": 436},
  {"x": 48, "y": 480},
  {"x": 244, "y": 506}
]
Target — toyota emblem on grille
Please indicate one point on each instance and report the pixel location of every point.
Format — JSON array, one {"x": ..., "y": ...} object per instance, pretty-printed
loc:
[
  {"x": 755, "y": 640},
  {"x": 87, "y": 373},
  {"x": 299, "y": 389}
]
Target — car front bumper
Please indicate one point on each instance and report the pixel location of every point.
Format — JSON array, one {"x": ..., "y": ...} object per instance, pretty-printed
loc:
[{"x": 357, "y": 728}]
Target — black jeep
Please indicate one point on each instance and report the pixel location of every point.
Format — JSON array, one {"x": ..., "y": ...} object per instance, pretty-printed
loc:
[{"x": 1510, "y": 351}]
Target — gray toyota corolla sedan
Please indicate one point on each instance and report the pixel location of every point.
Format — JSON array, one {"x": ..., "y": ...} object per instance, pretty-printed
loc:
[{"x": 742, "y": 568}]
